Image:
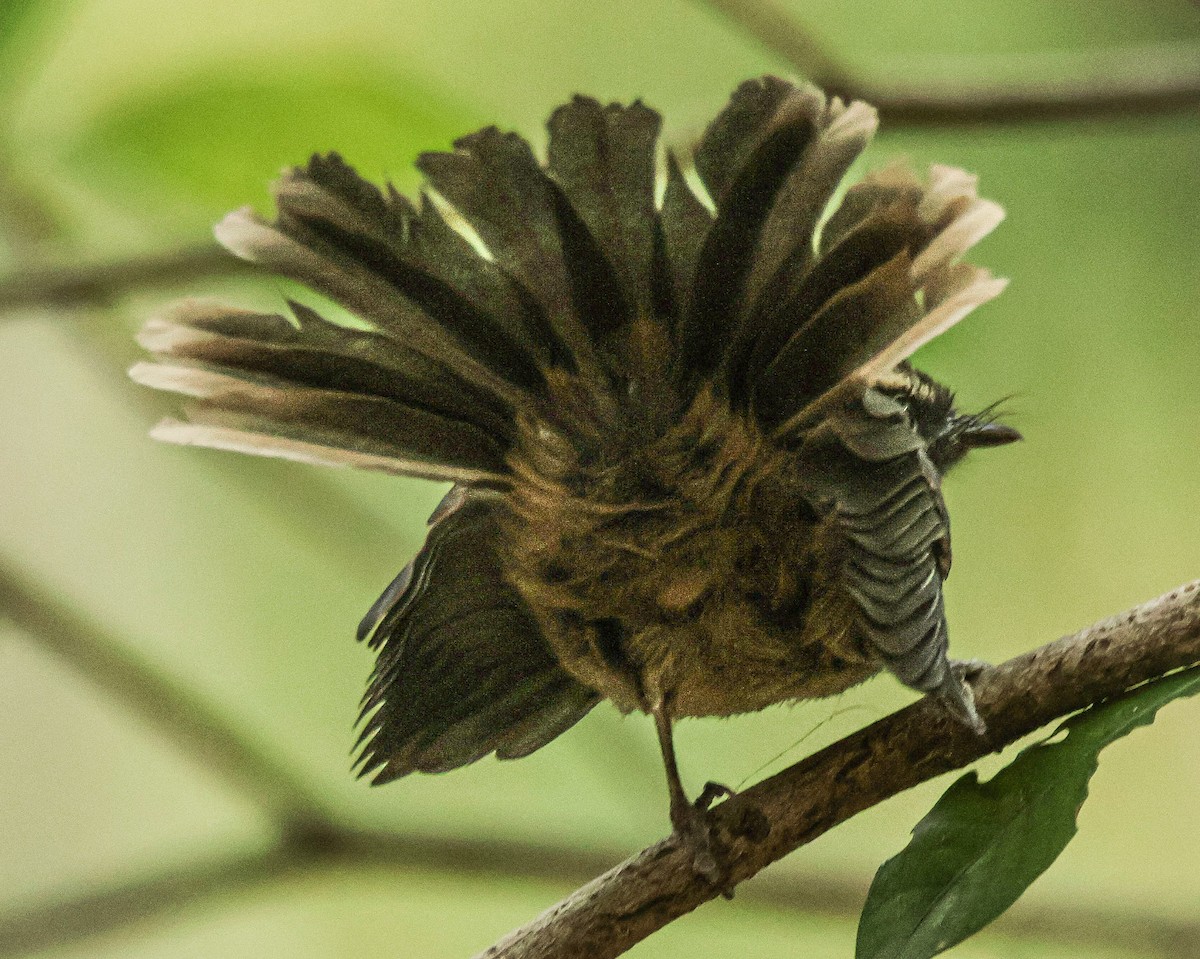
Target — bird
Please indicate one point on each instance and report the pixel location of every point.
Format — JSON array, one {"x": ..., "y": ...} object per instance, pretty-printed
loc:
[{"x": 694, "y": 470}]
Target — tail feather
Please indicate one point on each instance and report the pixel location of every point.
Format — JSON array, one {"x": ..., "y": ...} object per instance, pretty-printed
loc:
[
  {"x": 359, "y": 288},
  {"x": 496, "y": 183},
  {"x": 757, "y": 110},
  {"x": 327, "y": 204},
  {"x": 782, "y": 316},
  {"x": 315, "y": 353},
  {"x": 603, "y": 160},
  {"x": 317, "y": 241},
  {"x": 786, "y": 250},
  {"x": 279, "y": 384},
  {"x": 978, "y": 286},
  {"x": 447, "y": 254},
  {"x": 224, "y": 431},
  {"x": 894, "y": 184},
  {"x": 849, "y": 328},
  {"x": 744, "y": 160},
  {"x": 416, "y": 440},
  {"x": 853, "y": 311},
  {"x": 683, "y": 222}
]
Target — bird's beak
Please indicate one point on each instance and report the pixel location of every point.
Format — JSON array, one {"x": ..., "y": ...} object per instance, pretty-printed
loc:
[{"x": 990, "y": 434}]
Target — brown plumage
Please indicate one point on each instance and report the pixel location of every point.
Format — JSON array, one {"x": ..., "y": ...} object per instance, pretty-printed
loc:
[{"x": 695, "y": 473}]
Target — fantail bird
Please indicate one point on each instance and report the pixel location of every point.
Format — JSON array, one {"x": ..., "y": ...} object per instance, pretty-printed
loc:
[{"x": 694, "y": 471}]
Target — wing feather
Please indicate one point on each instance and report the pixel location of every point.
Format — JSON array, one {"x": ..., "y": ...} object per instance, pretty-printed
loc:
[{"x": 462, "y": 669}]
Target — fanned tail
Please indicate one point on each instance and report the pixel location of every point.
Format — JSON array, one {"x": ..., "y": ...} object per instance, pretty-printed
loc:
[
  {"x": 774, "y": 316},
  {"x": 510, "y": 271},
  {"x": 515, "y": 291}
]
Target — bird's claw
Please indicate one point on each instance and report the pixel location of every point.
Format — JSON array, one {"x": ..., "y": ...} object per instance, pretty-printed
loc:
[
  {"x": 693, "y": 824},
  {"x": 957, "y": 695},
  {"x": 711, "y": 793},
  {"x": 968, "y": 669}
]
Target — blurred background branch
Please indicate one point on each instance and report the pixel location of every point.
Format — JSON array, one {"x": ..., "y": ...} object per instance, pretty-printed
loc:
[
  {"x": 181, "y": 715},
  {"x": 72, "y": 287},
  {"x": 1123, "y": 83},
  {"x": 203, "y": 886}
]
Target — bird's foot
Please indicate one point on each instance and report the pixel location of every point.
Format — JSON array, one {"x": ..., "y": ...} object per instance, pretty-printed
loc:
[
  {"x": 694, "y": 829},
  {"x": 710, "y": 794},
  {"x": 968, "y": 669},
  {"x": 694, "y": 822},
  {"x": 958, "y": 696}
]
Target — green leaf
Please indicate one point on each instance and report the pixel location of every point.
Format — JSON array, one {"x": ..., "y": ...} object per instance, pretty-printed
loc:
[
  {"x": 28, "y": 216},
  {"x": 14, "y": 16},
  {"x": 187, "y": 153},
  {"x": 22, "y": 25},
  {"x": 982, "y": 844}
]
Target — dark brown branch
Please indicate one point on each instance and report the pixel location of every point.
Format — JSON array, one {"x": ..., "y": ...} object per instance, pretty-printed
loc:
[
  {"x": 1123, "y": 83},
  {"x": 777, "y": 30},
  {"x": 210, "y": 884},
  {"x": 187, "y": 719},
  {"x": 625, "y": 905},
  {"x": 1143, "y": 89},
  {"x": 71, "y": 286},
  {"x": 899, "y": 751}
]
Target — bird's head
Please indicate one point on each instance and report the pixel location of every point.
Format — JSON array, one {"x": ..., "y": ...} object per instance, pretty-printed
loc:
[{"x": 948, "y": 434}]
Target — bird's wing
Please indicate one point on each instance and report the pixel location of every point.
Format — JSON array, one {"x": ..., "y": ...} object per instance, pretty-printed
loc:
[
  {"x": 462, "y": 668},
  {"x": 871, "y": 477}
]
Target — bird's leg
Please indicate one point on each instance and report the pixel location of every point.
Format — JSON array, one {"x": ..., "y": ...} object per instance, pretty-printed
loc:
[{"x": 690, "y": 820}]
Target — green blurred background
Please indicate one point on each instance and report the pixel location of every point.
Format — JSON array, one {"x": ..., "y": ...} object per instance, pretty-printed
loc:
[{"x": 129, "y": 126}]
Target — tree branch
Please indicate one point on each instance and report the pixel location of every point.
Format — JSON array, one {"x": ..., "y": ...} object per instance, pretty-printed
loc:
[
  {"x": 166, "y": 893},
  {"x": 776, "y": 29},
  {"x": 811, "y": 797},
  {"x": 100, "y": 284},
  {"x": 625, "y": 905},
  {"x": 1123, "y": 83},
  {"x": 185, "y": 717}
]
